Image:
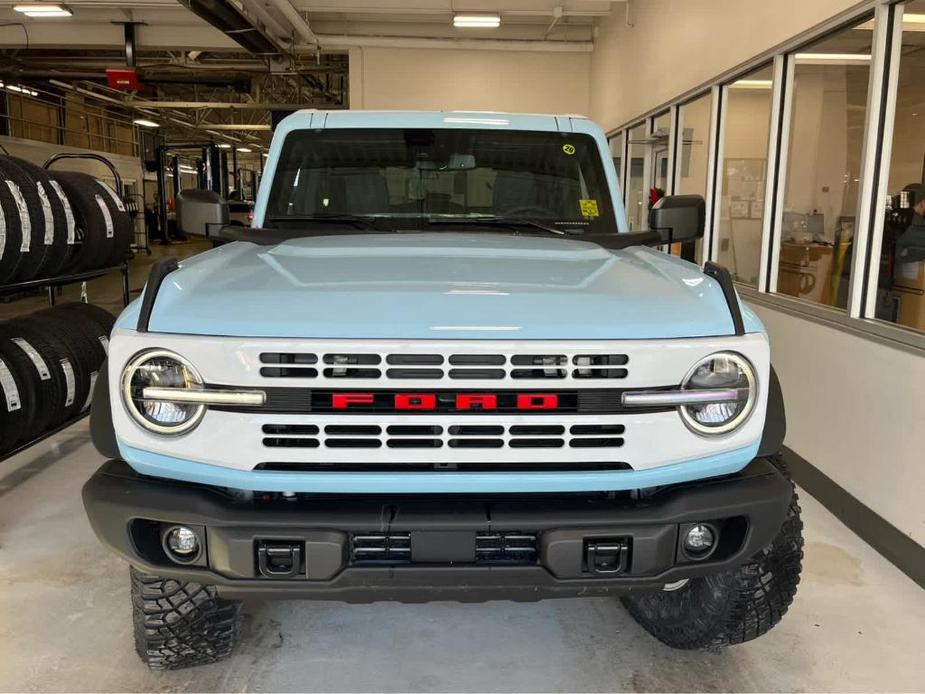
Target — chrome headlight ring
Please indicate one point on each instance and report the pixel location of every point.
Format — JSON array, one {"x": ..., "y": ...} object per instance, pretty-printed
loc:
[
  {"x": 747, "y": 371},
  {"x": 130, "y": 398}
]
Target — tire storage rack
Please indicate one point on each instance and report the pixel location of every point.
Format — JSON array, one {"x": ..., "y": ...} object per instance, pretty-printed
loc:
[{"x": 56, "y": 228}]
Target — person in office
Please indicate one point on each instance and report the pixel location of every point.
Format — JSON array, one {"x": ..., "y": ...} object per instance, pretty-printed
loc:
[{"x": 910, "y": 246}]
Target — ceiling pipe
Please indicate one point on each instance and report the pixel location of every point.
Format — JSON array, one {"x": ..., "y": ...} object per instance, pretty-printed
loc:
[
  {"x": 227, "y": 19},
  {"x": 299, "y": 25},
  {"x": 331, "y": 41}
]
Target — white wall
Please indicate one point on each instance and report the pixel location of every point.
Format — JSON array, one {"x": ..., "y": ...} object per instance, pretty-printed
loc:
[
  {"x": 855, "y": 407},
  {"x": 675, "y": 45},
  {"x": 855, "y": 410},
  {"x": 478, "y": 80}
]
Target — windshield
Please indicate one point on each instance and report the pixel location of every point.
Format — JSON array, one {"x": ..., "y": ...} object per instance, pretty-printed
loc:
[{"x": 424, "y": 178}]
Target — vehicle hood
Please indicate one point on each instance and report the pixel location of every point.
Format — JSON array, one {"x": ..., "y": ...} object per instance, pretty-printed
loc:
[{"x": 441, "y": 286}]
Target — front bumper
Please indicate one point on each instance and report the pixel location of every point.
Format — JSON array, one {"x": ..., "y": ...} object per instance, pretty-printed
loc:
[{"x": 442, "y": 551}]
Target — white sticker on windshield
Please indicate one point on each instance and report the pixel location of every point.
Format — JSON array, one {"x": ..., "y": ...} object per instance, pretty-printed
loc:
[
  {"x": 69, "y": 380},
  {"x": 25, "y": 221},
  {"x": 36, "y": 358},
  {"x": 10, "y": 391},
  {"x": 104, "y": 208},
  {"x": 68, "y": 212},
  {"x": 46, "y": 211}
]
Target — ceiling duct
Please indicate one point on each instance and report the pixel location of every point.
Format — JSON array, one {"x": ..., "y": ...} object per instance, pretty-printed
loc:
[{"x": 227, "y": 19}]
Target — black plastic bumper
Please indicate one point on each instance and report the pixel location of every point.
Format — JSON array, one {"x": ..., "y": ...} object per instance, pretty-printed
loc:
[{"x": 583, "y": 544}]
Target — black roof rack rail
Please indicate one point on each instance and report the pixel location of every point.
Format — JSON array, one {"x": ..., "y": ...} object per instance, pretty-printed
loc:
[
  {"x": 722, "y": 275},
  {"x": 159, "y": 271}
]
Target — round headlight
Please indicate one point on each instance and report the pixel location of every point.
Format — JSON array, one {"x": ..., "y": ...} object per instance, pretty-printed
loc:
[
  {"x": 720, "y": 371},
  {"x": 161, "y": 369}
]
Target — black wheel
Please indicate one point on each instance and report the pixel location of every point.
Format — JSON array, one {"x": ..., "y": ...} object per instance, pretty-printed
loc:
[
  {"x": 95, "y": 227},
  {"x": 11, "y": 239},
  {"x": 31, "y": 218},
  {"x": 730, "y": 607},
  {"x": 180, "y": 624},
  {"x": 103, "y": 319},
  {"x": 68, "y": 355},
  {"x": 123, "y": 227},
  {"x": 27, "y": 388},
  {"x": 59, "y": 218},
  {"x": 12, "y": 413},
  {"x": 44, "y": 379}
]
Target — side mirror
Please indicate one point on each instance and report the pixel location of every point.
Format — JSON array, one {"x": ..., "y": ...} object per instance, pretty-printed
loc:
[
  {"x": 199, "y": 211},
  {"x": 678, "y": 218}
]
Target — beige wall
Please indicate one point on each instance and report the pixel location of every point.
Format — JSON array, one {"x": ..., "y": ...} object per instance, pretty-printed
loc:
[
  {"x": 479, "y": 80},
  {"x": 675, "y": 45},
  {"x": 855, "y": 410}
]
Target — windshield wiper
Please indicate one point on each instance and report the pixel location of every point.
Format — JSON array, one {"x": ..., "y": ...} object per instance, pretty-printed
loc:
[
  {"x": 497, "y": 222},
  {"x": 357, "y": 220}
]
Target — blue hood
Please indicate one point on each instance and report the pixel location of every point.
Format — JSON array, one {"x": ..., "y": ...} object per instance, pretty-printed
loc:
[{"x": 444, "y": 285}]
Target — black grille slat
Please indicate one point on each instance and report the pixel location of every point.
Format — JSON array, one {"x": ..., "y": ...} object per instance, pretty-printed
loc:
[
  {"x": 539, "y": 360},
  {"x": 413, "y": 430},
  {"x": 352, "y": 430},
  {"x": 288, "y": 358},
  {"x": 414, "y": 443},
  {"x": 349, "y": 372},
  {"x": 353, "y": 443},
  {"x": 591, "y": 360},
  {"x": 539, "y": 374},
  {"x": 282, "y": 442},
  {"x": 477, "y": 359},
  {"x": 292, "y": 429},
  {"x": 536, "y": 430},
  {"x": 596, "y": 429},
  {"x": 600, "y": 373},
  {"x": 411, "y": 373},
  {"x": 598, "y": 442},
  {"x": 350, "y": 359},
  {"x": 415, "y": 359},
  {"x": 536, "y": 443},
  {"x": 477, "y": 374},
  {"x": 476, "y": 443},
  {"x": 288, "y": 372},
  {"x": 476, "y": 430}
]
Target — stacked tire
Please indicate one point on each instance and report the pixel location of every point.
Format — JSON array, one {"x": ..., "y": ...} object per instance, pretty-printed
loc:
[
  {"x": 57, "y": 222},
  {"x": 49, "y": 362}
]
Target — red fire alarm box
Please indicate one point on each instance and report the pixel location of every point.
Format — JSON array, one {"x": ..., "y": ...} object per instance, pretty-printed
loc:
[{"x": 123, "y": 78}]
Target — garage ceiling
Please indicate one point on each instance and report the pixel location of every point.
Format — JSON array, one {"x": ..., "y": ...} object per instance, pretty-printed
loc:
[{"x": 219, "y": 67}]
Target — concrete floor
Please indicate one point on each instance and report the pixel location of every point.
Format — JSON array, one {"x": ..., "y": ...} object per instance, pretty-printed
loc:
[{"x": 858, "y": 624}]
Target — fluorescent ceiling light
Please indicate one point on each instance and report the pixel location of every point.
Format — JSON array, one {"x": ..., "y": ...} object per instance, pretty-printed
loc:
[
  {"x": 224, "y": 145},
  {"x": 20, "y": 89},
  {"x": 145, "y": 123},
  {"x": 246, "y": 150},
  {"x": 483, "y": 21},
  {"x": 751, "y": 84},
  {"x": 913, "y": 18},
  {"x": 185, "y": 168},
  {"x": 837, "y": 58},
  {"x": 43, "y": 10}
]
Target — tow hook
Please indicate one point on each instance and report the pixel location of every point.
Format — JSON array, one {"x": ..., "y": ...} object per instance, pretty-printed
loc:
[{"x": 607, "y": 557}]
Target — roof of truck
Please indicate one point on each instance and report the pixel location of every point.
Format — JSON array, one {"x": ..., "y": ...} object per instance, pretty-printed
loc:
[{"x": 311, "y": 118}]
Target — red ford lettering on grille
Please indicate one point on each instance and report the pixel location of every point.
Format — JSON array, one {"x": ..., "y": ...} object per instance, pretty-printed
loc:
[
  {"x": 341, "y": 401},
  {"x": 537, "y": 401},
  {"x": 415, "y": 401},
  {"x": 473, "y": 401}
]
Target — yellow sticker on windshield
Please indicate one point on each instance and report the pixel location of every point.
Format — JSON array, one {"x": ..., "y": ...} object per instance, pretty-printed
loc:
[
  {"x": 589, "y": 208},
  {"x": 568, "y": 149}
]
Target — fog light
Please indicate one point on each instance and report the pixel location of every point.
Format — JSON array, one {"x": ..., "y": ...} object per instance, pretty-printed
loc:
[
  {"x": 182, "y": 543},
  {"x": 699, "y": 539}
]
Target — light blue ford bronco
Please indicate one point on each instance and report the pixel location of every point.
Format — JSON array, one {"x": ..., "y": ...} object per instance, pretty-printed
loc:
[{"x": 439, "y": 367}]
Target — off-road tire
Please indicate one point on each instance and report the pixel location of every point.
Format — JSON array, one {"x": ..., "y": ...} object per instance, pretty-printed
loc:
[
  {"x": 180, "y": 624},
  {"x": 733, "y": 606}
]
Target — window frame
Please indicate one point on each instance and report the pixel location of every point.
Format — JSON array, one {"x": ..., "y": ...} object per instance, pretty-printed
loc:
[{"x": 876, "y": 153}]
